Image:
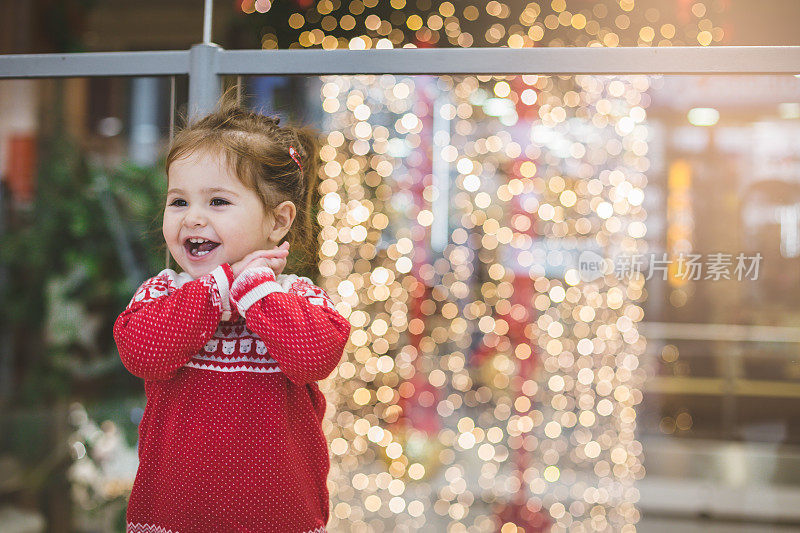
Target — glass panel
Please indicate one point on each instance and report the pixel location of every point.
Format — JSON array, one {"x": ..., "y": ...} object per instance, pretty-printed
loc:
[{"x": 522, "y": 349}]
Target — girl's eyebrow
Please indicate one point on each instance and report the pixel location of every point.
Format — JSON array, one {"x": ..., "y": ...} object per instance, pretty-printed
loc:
[{"x": 206, "y": 190}]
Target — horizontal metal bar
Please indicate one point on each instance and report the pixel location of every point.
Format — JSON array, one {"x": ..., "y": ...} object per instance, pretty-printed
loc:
[
  {"x": 164, "y": 63},
  {"x": 718, "y": 332},
  {"x": 411, "y": 61},
  {"x": 499, "y": 61}
]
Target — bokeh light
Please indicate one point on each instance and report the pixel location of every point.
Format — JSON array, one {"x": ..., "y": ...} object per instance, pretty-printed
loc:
[{"x": 486, "y": 385}]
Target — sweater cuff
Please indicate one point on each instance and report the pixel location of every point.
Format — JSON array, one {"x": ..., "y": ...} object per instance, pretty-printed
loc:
[
  {"x": 223, "y": 275},
  {"x": 252, "y": 285}
]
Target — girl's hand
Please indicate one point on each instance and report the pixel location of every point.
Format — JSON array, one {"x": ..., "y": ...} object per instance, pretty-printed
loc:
[{"x": 275, "y": 259}]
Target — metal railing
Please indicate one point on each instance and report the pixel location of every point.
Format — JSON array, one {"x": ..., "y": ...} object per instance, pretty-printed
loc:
[{"x": 205, "y": 63}]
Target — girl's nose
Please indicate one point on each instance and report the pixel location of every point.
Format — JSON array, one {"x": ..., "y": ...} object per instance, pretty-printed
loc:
[{"x": 195, "y": 217}]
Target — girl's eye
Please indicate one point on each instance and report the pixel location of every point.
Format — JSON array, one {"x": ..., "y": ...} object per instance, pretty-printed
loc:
[{"x": 224, "y": 202}]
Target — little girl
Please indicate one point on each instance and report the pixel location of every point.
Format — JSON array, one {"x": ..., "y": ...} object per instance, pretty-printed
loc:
[{"x": 230, "y": 349}]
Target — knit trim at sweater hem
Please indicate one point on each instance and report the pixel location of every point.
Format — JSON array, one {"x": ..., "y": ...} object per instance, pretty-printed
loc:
[{"x": 148, "y": 528}]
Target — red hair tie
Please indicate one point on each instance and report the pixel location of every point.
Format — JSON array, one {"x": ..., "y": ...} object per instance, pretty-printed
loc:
[{"x": 295, "y": 156}]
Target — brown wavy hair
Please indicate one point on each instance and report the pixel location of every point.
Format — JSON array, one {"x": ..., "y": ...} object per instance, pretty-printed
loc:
[{"x": 256, "y": 149}]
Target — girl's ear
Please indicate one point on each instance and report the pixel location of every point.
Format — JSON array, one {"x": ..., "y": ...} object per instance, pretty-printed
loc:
[{"x": 282, "y": 216}]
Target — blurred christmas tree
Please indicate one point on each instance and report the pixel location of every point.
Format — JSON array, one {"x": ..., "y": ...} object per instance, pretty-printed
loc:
[{"x": 71, "y": 260}]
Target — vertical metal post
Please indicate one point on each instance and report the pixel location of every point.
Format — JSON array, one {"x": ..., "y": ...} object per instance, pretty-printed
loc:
[
  {"x": 208, "y": 11},
  {"x": 205, "y": 86},
  {"x": 143, "y": 142},
  {"x": 172, "y": 97},
  {"x": 6, "y": 355},
  {"x": 440, "y": 229}
]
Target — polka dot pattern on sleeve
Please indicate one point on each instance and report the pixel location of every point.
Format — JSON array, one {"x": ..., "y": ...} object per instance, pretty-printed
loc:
[
  {"x": 167, "y": 322},
  {"x": 297, "y": 321}
]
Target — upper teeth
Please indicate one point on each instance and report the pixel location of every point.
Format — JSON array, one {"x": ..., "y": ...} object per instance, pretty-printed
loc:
[{"x": 196, "y": 239}]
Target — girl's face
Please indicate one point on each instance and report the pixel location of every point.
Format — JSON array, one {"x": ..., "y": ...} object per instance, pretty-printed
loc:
[{"x": 206, "y": 200}]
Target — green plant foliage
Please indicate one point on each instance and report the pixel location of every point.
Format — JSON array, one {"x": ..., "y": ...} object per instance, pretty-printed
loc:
[{"x": 73, "y": 261}]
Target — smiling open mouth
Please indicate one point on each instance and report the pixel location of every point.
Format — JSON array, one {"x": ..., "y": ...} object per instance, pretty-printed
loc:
[{"x": 199, "y": 247}]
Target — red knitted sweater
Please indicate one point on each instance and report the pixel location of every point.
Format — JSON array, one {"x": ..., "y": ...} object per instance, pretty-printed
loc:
[{"x": 231, "y": 437}]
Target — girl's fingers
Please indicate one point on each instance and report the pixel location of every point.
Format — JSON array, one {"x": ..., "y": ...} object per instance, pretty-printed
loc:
[
  {"x": 258, "y": 254},
  {"x": 251, "y": 256},
  {"x": 274, "y": 251},
  {"x": 273, "y": 256},
  {"x": 277, "y": 253}
]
